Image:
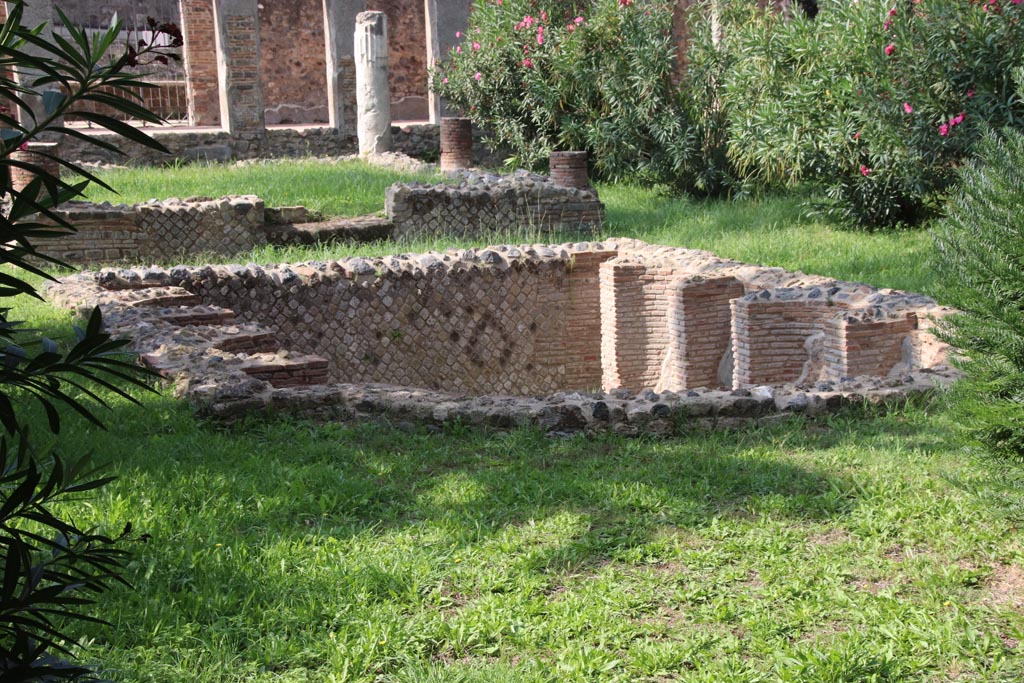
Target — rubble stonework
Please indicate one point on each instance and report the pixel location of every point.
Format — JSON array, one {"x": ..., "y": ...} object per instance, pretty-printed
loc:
[
  {"x": 484, "y": 203},
  {"x": 578, "y": 336},
  {"x": 160, "y": 230}
]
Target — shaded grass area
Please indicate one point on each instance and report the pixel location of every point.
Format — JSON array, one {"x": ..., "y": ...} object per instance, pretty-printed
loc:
[
  {"x": 344, "y": 188},
  {"x": 846, "y": 550}
]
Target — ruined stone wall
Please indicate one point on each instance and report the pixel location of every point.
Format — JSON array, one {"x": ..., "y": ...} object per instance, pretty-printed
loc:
[
  {"x": 293, "y": 61},
  {"x": 486, "y": 204},
  {"x": 159, "y": 231},
  {"x": 503, "y": 321}
]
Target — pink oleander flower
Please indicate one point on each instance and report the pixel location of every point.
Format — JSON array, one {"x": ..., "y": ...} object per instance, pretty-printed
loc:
[
  {"x": 943, "y": 130},
  {"x": 865, "y": 171},
  {"x": 458, "y": 49},
  {"x": 958, "y": 119},
  {"x": 889, "y": 49},
  {"x": 908, "y": 108},
  {"x": 543, "y": 15},
  {"x": 478, "y": 75},
  {"x": 540, "y": 35},
  {"x": 458, "y": 34},
  {"x": 887, "y": 24},
  {"x": 856, "y": 136},
  {"x": 892, "y": 12},
  {"x": 970, "y": 93},
  {"x": 527, "y": 62},
  {"x": 476, "y": 45},
  {"x": 578, "y": 20}
]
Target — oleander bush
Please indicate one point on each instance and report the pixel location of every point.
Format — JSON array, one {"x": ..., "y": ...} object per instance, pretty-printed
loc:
[
  {"x": 878, "y": 102},
  {"x": 543, "y": 75},
  {"x": 981, "y": 246}
]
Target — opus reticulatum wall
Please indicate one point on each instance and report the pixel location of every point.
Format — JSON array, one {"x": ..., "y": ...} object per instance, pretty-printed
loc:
[{"x": 618, "y": 334}]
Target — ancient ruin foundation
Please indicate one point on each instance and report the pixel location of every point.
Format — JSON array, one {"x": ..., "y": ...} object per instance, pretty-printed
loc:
[{"x": 618, "y": 334}]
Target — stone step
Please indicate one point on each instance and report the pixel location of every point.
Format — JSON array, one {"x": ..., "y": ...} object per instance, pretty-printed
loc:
[
  {"x": 248, "y": 338},
  {"x": 155, "y": 296},
  {"x": 357, "y": 229},
  {"x": 287, "y": 369},
  {"x": 197, "y": 315}
]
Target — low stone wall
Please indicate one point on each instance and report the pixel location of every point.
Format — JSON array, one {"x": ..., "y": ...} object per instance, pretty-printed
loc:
[
  {"x": 619, "y": 335},
  {"x": 484, "y": 203},
  {"x": 419, "y": 141},
  {"x": 159, "y": 231}
]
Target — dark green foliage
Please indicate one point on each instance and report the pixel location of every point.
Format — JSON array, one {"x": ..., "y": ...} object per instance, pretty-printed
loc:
[
  {"x": 981, "y": 263},
  {"x": 875, "y": 102},
  {"x": 52, "y": 569},
  {"x": 595, "y": 76}
]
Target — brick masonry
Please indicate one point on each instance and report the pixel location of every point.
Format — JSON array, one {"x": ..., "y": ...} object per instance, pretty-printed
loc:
[
  {"x": 478, "y": 335},
  {"x": 160, "y": 231},
  {"x": 293, "y": 61}
]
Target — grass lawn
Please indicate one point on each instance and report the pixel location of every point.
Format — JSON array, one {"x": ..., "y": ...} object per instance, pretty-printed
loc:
[
  {"x": 854, "y": 548},
  {"x": 346, "y": 188}
]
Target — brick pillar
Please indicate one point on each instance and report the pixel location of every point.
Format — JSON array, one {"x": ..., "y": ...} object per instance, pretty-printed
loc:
[
  {"x": 339, "y": 25},
  {"x": 238, "y": 59},
  {"x": 200, "y": 58},
  {"x": 699, "y": 333},
  {"x": 456, "y": 143},
  {"x": 21, "y": 177},
  {"x": 623, "y": 334},
  {"x": 569, "y": 169}
]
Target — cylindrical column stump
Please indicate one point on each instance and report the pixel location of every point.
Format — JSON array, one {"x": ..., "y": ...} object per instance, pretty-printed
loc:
[
  {"x": 20, "y": 177},
  {"x": 569, "y": 169},
  {"x": 456, "y": 143}
]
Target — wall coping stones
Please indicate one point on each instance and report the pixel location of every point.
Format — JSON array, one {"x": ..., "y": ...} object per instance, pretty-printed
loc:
[{"x": 220, "y": 382}]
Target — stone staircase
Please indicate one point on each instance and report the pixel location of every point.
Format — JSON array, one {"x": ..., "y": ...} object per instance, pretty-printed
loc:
[{"x": 215, "y": 332}]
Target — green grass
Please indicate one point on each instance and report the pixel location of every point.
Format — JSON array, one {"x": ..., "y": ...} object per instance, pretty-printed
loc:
[
  {"x": 347, "y": 188},
  {"x": 857, "y": 548}
]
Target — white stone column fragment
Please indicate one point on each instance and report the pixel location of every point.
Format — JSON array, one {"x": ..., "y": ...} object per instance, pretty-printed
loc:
[{"x": 373, "y": 97}]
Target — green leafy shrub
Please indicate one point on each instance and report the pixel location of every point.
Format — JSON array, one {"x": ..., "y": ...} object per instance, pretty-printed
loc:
[
  {"x": 877, "y": 101},
  {"x": 544, "y": 75},
  {"x": 981, "y": 252}
]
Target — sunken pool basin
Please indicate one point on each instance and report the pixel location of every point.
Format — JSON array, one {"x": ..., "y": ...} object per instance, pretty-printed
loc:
[{"x": 592, "y": 335}]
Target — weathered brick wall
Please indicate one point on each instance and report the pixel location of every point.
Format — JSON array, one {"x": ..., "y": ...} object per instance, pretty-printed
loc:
[
  {"x": 200, "y": 58},
  {"x": 97, "y": 13},
  {"x": 493, "y": 321},
  {"x": 293, "y": 61},
  {"x": 487, "y": 204},
  {"x": 159, "y": 231},
  {"x": 407, "y": 57}
]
